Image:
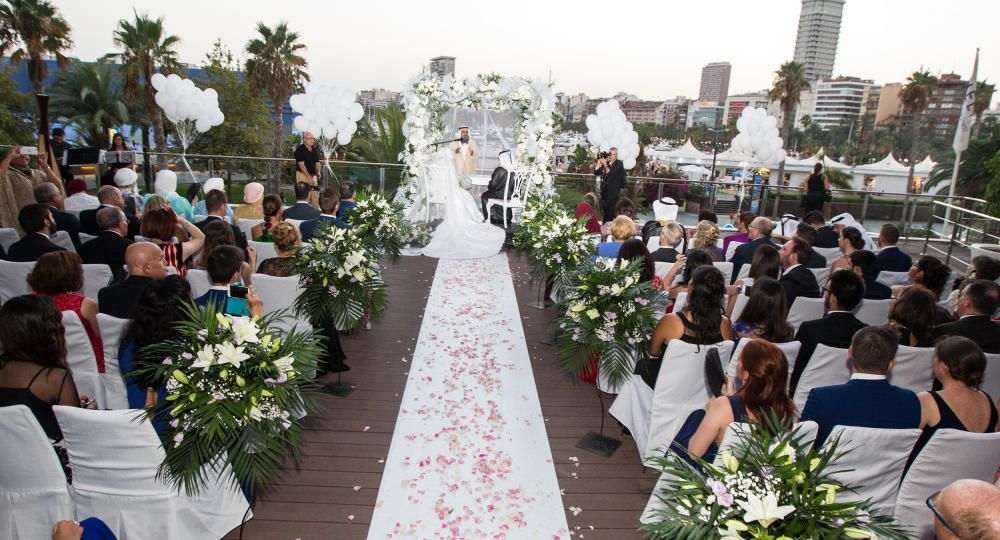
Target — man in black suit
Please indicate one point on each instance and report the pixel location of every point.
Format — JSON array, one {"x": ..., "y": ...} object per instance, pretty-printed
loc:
[
  {"x": 612, "y": 173},
  {"x": 977, "y": 302},
  {"x": 37, "y": 223},
  {"x": 836, "y": 328},
  {"x": 329, "y": 200},
  {"x": 808, "y": 235},
  {"x": 109, "y": 247},
  {"x": 826, "y": 236},
  {"x": 797, "y": 280},
  {"x": 863, "y": 264},
  {"x": 759, "y": 234},
  {"x": 672, "y": 240},
  {"x": 145, "y": 264},
  {"x": 48, "y": 194},
  {"x": 215, "y": 205},
  {"x": 301, "y": 210},
  {"x": 891, "y": 258},
  {"x": 108, "y": 196}
]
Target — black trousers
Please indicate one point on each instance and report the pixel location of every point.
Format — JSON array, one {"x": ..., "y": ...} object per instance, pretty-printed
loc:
[{"x": 608, "y": 207}]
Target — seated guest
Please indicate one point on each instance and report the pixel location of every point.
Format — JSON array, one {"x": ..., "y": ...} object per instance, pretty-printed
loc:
[
  {"x": 48, "y": 194},
  {"x": 286, "y": 243},
  {"x": 837, "y": 327},
  {"x": 959, "y": 364},
  {"x": 976, "y": 304},
  {"x": 867, "y": 400},
  {"x": 347, "y": 204},
  {"x": 851, "y": 240},
  {"x": 709, "y": 216},
  {"x": 210, "y": 185},
  {"x": 109, "y": 247},
  {"x": 251, "y": 208},
  {"x": 158, "y": 227},
  {"x": 826, "y": 236},
  {"x": 766, "y": 263},
  {"x": 165, "y": 186},
  {"x": 223, "y": 267},
  {"x": 981, "y": 267},
  {"x": 622, "y": 228},
  {"x": 273, "y": 213},
  {"x": 890, "y": 258},
  {"x": 808, "y": 235},
  {"x": 796, "y": 278},
  {"x": 912, "y": 315},
  {"x": 743, "y": 226},
  {"x": 585, "y": 210},
  {"x": 625, "y": 207},
  {"x": 146, "y": 264},
  {"x": 108, "y": 196},
  {"x": 706, "y": 237},
  {"x": 77, "y": 197},
  {"x": 863, "y": 264},
  {"x": 59, "y": 275},
  {"x": 634, "y": 250},
  {"x": 673, "y": 243},
  {"x": 759, "y": 365},
  {"x": 701, "y": 321},
  {"x": 760, "y": 235},
  {"x": 215, "y": 205},
  {"x": 301, "y": 210},
  {"x": 664, "y": 211},
  {"x": 686, "y": 265},
  {"x": 37, "y": 223},
  {"x": 220, "y": 233},
  {"x": 967, "y": 509},
  {"x": 33, "y": 369},
  {"x": 932, "y": 274},
  {"x": 764, "y": 315},
  {"x": 329, "y": 202}
]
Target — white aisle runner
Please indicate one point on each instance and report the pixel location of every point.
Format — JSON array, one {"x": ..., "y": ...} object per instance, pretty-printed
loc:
[{"x": 469, "y": 456}]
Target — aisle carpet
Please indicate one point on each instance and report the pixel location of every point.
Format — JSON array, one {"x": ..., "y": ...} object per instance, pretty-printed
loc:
[{"x": 469, "y": 456}]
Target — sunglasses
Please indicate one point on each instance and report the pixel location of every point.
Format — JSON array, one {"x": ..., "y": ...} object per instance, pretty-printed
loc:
[{"x": 930, "y": 504}]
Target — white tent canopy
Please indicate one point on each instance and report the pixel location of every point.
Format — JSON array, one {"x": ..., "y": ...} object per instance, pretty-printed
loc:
[
  {"x": 925, "y": 166},
  {"x": 687, "y": 152},
  {"x": 888, "y": 165},
  {"x": 695, "y": 169}
]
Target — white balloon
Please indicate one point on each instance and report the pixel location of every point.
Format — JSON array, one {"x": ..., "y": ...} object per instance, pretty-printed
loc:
[
  {"x": 770, "y": 122},
  {"x": 188, "y": 83},
  {"x": 329, "y": 131},
  {"x": 296, "y": 102},
  {"x": 352, "y": 129},
  {"x": 158, "y": 81},
  {"x": 203, "y": 124},
  {"x": 741, "y": 123},
  {"x": 211, "y": 93},
  {"x": 218, "y": 118},
  {"x": 160, "y": 98},
  {"x": 343, "y": 139},
  {"x": 301, "y": 123},
  {"x": 592, "y": 122},
  {"x": 356, "y": 112},
  {"x": 613, "y": 104},
  {"x": 630, "y": 164}
]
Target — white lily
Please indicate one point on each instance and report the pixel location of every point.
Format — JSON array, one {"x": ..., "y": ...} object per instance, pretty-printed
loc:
[
  {"x": 245, "y": 330},
  {"x": 231, "y": 354},
  {"x": 764, "y": 511},
  {"x": 284, "y": 363},
  {"x": 733, "y": 530},
  {"x": 204, "y": 359}
]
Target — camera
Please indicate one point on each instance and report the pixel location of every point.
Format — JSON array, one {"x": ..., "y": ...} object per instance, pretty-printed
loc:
[
  {"x": 603, "y": 155},
  {"x": 315, "y": 188},
  {"x": 29, "y": 151}
]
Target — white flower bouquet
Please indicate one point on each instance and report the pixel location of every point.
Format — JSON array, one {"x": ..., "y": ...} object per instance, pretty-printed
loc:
[{"x": 378, "y": 223}]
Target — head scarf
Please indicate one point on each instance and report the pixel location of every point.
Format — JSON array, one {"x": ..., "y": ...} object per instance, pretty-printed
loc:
[
  {"x": 213, "y": 183},
  {"x": 125, "y": 177},
  {"x": 583, "y": 209},
  {"x": 166, "y": 183},
  {"x": 253, "y": 193}
]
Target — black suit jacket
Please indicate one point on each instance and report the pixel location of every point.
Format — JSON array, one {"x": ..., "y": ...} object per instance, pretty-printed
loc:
[
  {"x": 800, "y": 281},
  {"x": 301, "y": 211},
  {"x": 834, "y": 330},
  {"x": 88, "y": 223},
  {"x": 119, "y": 299},
  {"x": 614, "y": 179},
  {"x": 108, "y": 248},
  {"x": 815, "y": 260},
  {"x": 30, "y": 248},
  {"x": 876, "y": 291},
  {"x": 241, "y": 239},
  {"x": 978, "y": 328},
  {"x": 826, "y": 237},
  {"x": 744, "y": 255},
  {"x": 892, "y": 259},
  {"x": 69, "y": 223},
  {"x": 665, "y": 255}
]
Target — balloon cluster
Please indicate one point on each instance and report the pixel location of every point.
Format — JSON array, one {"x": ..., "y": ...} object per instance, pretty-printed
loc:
[
  {"x": 327, "y": 112},
  {"x": 609, "y": 129},
  {"x": 758, "y": 135},
  {"x": 182, "y": 101}
]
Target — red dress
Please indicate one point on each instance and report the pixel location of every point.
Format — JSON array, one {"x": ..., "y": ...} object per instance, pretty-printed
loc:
[{"x": 72, "y": 302}]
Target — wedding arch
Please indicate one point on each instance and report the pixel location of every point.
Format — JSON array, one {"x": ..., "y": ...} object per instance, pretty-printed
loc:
[{"x": 530, "y": 101}]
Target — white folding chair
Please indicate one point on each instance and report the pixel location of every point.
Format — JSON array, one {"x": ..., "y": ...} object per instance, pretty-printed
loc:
[
  {"x": 33, "y": 491},
  {"x": 115, "y": 459},
  {"x": 914, "y": 369},
  {"x": 265, "y": 251},
  {"x": 680, "y": 302},
  {"x": 827, "y": 366},
  {"x": 739, "y": 306},
  {"x": 805, "y": 431},
  {"x": 80, "y": 358},
  {"x": 278, "y": 293},
  {"x": 8, "y": 237},
  {"x": 516, "y": 189},
  {"x": 84, "y": 237},
  {"x": 873, "y": 463},
  {"x": 661, "y": 269},
  {"x": 822, "y": 275},
  {"x": 14, "y": 279},
  {"x": 95, "y": 278},
  {"x": 892, "y": 279},
  {"x": 112, "y": 380},
  {"x": 62, "y": 239},
  {"x": 247, "y": 225},
  {"x": 791, "y": 350},
  {"x": 744, "y": 272},
  {"x": 198, "y": 279},
  {"x": 653, "y": 243},
  {"x": 828, "y": 253},
  {"x": 804, "y": 309},
  {"x": 948, "y": 456},
  {"x": 726, "y": 268},
  {"x": 731, "y": 248},
  {"x": 874, "y": 312},
  {"x": 991, "y": 379},
  {"x": 294, "y": 222}
]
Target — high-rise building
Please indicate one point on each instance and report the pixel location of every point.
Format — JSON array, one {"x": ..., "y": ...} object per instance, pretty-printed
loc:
[
  {"x": 640, "y": 111},
  {"x": 838, "y": 100},
  {"x": 888, "y": 103},
  {"x": 819, "y": 31},
  {"x": 443, "y": 65},
  {"x": 715, "y": 82},
  {"x": 673, "y": 111},
  {"x": 736, "y": 104}
]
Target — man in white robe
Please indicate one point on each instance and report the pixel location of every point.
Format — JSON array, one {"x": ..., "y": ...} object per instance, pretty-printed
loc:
[{"x": 465, "y": 152}]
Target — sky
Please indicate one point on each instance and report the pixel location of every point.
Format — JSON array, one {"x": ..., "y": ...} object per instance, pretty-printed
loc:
[{"x": 654, "y": 49}]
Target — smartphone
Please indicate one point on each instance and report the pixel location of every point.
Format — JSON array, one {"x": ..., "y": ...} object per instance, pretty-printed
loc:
[
  {"x": 29, "y": 150},
  {"x": 237, "y": 290}
]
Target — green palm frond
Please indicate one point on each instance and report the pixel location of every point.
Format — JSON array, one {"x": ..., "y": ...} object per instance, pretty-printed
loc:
[{"x": 31, "y": 30}]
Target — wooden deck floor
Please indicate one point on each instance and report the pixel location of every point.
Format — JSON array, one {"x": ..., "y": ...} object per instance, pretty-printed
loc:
[{"x": 319, "y": 499}]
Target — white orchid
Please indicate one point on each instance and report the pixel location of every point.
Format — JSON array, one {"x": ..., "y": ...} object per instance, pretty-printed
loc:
[
  {"x": 231, "y": 354},
  {"x": 245, "y": 330},
  {"x": 764, "y": 510}
]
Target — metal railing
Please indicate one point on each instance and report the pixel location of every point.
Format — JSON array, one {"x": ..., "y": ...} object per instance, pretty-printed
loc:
[{"x": 961, "y": 228}]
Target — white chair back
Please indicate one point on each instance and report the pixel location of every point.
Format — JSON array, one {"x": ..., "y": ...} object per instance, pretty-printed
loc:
[
  {"x": 892, "y": 279},
  {"x": 804, "y": 309},
  {"x": 828, "y": 253},
  {"x": 80, "y": 358},
  {"x": 294, "y": 222},
  {"x": 726, "y": 268},
  {"x": 827, "y": 366},
  {"x": 822, "y": 275},
  {"x": 914, "y": 369},
  {"x": 198, "y": 279},
  {"x": 680, "y": 302},
  {"x": 739, "y": 306},
  {"x": 62, "y": 239},
  {"x": 84, "y": 237},
  {"x": 874, "y": 312},
  {"x": 265, "y": 251},
  {"x": 744, "y": 272},
  {"x": 247, "y": 225},
  {"x": 991, "y": 379},
  {"x": 112, "y": 380},
  {"x": 653, "y": 243},
  {"x": 278, "y": 293},
  {"x": 8, "y": 237},
  {"x": 873, "y": 463},
  {"x": 14, "y": 279},
  {"x": 33, "y": 492},
  {"x": 948, "y": 456},
  {"x": 516, "y": 189},
  {"x": 791, "y": 350},
  {"x": 661, "y": 269},
  {"x": 731, "y": 248},
  {"x": 95, "y": 278}
]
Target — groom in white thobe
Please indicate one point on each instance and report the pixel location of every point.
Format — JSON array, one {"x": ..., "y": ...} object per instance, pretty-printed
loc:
[{"x": 465, "y": 151}]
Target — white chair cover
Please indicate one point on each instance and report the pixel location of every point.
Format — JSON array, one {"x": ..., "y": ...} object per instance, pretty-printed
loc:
[
  {"x": 827, "y": 366},
  {"x": 873, "y": 463},
  {"x": 198, "y": 279},
  {"x": 726, "y": 268},
  {"x": 991, "y": 379},
  {"x": 914, "y": 369},
  {"x": 804, "y": 309},
  {"x": 653, "y": 243},
  {"x": 84, "y": 237},
  {"x": 33, "y": 491},
  {"x": 62, "y": 239},
  {"x": 14, "y": 279},
  {"x": 805, "y": 430},
  {"x": 680, "y": 302},
  {"x": 950, "y": 455},
  {"x": 247, "y": 225},
  {"x": 112, "y": 380},
  {"x": 115, "y": 458},
  {"x": 265, "y": 251},
  {"x": 873, "y": 312},
  {"x": 661, "y": 269},
  {"x": 822, "y": 275},
  {"x": 791, "y": 350},
  {"x": 829, "y": 253},
  {"x": 739, "y": 306},
  {"x": 81, "y": 358},
  {"x": 294, "y": 223},
  {"x": 278, "y": 293},
  {"x": 892, "y": 279},
  {"x": 95, "y": 278},
  {"x": 8, "y": 237},
  {"x": 731, "y": 248},
  {"x": 744, "y": 271}
]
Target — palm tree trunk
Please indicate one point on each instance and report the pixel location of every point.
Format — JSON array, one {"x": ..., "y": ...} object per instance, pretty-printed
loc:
[
  {"x": 979, "y": 123},
  {"x": 278, "y": 138},
  {"x": 913, "y": 151}
]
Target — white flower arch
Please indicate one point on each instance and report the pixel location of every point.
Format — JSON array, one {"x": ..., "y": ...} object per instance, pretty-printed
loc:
[{"x": 531, "y": 102}]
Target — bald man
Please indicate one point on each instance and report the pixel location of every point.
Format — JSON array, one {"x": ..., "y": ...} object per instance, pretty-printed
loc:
[
  {"x": 108, "y": 196},
  {"x": 759, "y": 234},
  {"x": 145, "y": 264},
  {"x": 968, "y": 509}
]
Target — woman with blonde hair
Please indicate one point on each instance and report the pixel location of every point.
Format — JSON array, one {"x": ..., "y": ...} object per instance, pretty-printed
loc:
[
  {"x": 706, "y": 238},
  {"x": 286, "y": 243},
  {"x": 622, "y": 229}
]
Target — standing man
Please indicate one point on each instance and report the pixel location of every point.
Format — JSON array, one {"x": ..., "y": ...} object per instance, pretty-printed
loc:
[
  {"x": 59, "y": 147},
  {"x": 612, "y": 173},
  {"x": 464, "y": 151},
  {"x": 17, "y": 184},
  {"x": 307, "y": 158}
]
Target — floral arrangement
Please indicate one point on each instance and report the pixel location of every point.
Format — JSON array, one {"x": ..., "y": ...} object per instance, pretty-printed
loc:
[
  {"x": 780, "y": 488},
  {"x": 340, "y": 278},
  {"x": 235, "y": 389},
  {"x": 465, "y": 181},
  {"x": 531, "y": 101},
  {"x": 378, "y": 224},
  {"x": 552, "y": 239},
  {"x": 608, "y": 315},
  {"x": 416, "y": 235}
]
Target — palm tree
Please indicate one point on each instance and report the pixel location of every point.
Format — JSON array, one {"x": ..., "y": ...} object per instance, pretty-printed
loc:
[
  {"x": 915, "y": 96},
  {"x": 379, "y": 139},
  {"x": 86, "y": 98},
  {"x": 973, "y": 172},
  {"x": 31, "y": 29},
  {"x": 789, "y": 83},
  {"x": 984, "y": 94},
  {"x": 144, "y": 49},
  {"x": 276, "y": 67}
]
